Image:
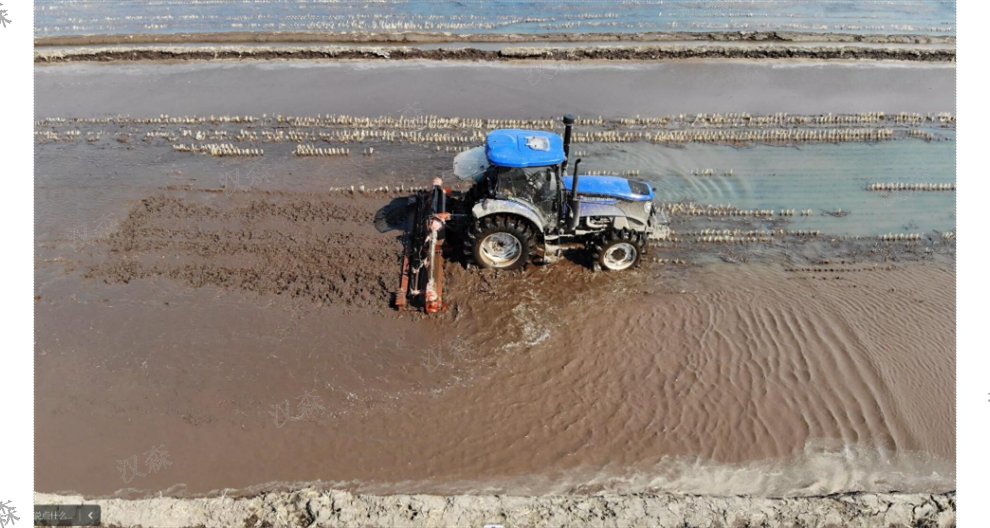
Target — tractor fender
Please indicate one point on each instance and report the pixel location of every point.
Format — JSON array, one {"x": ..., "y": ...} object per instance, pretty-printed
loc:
[{"x": 490, "y": 206}]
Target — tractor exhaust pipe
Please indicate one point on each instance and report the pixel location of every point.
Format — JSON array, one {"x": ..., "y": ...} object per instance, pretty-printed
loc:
[
  {"x": 574, "y": 203},
  {"x": 568, "y": 124}
]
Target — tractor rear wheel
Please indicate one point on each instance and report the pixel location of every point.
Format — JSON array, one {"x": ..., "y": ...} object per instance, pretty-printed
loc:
[
  {"x": 618, "y": 250},
  {"x": 502, "y": 242}
]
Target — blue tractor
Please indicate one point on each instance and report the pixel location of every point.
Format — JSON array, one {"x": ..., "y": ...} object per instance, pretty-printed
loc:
[{"x": 523, "y": 207}]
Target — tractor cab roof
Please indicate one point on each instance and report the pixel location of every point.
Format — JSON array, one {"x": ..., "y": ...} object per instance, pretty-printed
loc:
[{"x": 524, "y": 148}]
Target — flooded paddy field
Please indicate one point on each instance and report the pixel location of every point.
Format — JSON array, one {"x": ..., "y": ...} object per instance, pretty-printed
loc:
[
  {"x": 82, "y": 17},
  {"x": 235, "y": 308}
]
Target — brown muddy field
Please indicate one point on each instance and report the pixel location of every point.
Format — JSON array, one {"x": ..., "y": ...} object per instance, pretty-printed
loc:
[
  {"x": 246, "y": 330},
  {"x": 202, "y": 312}
]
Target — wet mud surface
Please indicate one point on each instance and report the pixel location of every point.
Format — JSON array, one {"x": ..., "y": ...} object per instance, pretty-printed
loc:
[
  {"x": 202, "y": 315},
  {"x": 313, "y": 249}
]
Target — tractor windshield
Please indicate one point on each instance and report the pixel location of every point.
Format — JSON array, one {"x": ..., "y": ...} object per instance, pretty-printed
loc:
[
  {"x": 533, "y": 185},
  {"x": 471, "y": 165}
]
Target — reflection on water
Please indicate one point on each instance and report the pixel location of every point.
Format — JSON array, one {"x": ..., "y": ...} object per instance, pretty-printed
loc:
[{"x": 821, "y": 177}]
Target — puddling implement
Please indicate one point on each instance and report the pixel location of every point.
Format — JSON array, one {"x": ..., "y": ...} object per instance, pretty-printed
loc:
[
  {"x": 422, "y": 256},
  {"x": 522, "y": 207}
]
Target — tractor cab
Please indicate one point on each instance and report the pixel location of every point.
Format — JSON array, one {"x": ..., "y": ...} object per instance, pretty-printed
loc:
[
  {"x": 521, "y": 166},
  {"x": 526, "y": 167}
]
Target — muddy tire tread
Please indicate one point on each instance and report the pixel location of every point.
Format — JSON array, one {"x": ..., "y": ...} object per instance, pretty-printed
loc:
[
  {"x": 600, "y": 243},
  {"x": 512, "y": 224}
]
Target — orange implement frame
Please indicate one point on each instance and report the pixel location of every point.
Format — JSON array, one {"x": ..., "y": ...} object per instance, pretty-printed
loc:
[{"x": 421, "y": 280}]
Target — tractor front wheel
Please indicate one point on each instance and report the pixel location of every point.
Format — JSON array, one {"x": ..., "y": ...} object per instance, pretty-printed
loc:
[
  {"x": 502, "y": 242},
  {"x": 619, "y": 250}
]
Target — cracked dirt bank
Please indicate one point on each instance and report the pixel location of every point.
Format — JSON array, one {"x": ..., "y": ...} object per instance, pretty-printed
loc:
[
  {"x": 630, "y": 53},
  {"x": 340, "y": 508}
]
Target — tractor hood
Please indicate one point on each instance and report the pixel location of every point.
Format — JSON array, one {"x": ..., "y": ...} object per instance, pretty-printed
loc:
[
  {"x": 524, "y": 148},
  {"x": 612, "y": 187}
]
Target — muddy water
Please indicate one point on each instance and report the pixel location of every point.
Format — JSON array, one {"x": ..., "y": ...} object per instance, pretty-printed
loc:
[
  {"x": 247, "y": 332},
  {"x": 721, "y": 379},
  {"x": 707, "y": 377}
]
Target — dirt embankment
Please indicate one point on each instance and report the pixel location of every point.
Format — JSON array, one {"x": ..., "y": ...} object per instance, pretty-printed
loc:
[
  {"x": 427, "y": 38},
  {"x": 340, "y": 508},
  {"x": 632, "y": 53}
]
